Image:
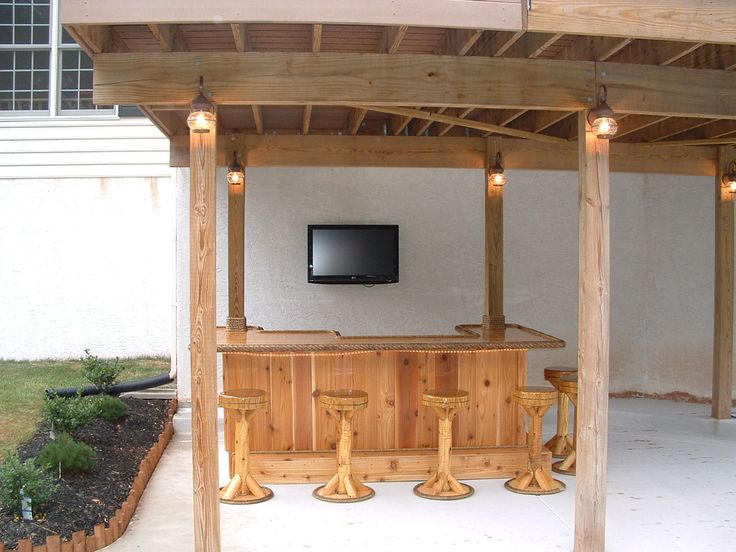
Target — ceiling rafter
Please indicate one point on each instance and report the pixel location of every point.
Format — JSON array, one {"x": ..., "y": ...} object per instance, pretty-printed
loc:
[
  {"x": 169, "y": 36},
  {"x": 258, "y": 118},
  {"x": 240, "y": 36},
  {"x": 391, "y": 39},
  {"x": 444, "y": 128}
]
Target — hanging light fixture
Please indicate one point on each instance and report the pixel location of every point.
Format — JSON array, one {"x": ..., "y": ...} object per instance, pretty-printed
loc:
[
  {"x": 729, "y": 177},
  {"x": 495, "y": 175},
  {"x": 601, "y": 118},
  {"x": 235, "y": 171},
  {"x": 202, "y": 112}
]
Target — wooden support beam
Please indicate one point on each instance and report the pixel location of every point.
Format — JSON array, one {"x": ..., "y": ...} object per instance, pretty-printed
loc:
[
  {"x": 355, "y": 119},
  {"x": 167, "y": 122},
  {"x": 94, "y": 39},
  {"x": 635, "y": 123},
  {"x": 593, "y": 341},
  {"x": 454, "y": 152},
  {"x": 306, "y": 119},
  {"x": 457, "y": 42},
  {"x": 258, "y": 118},
  {"x": 500, "y": 14},
  {"x": 418, "y": 128},
  {"x": 715, "y": 129},
  {"x": 236, "y": 317},
  {"x": 501, "y": 41},
  {"x": 723, "y": 309},
  {"x": 663, "y": 129},
  {"x": 169, "y": 37},
  {"x": 655, "y": 52},
  {"x": 278, "y": 78},
  {"x": 493, "y": 313},
  {"x": 593, "y": 48},
  {"x": 316, "y": 38},
  {"x": 392, "y": 38},
  {"x": 240, "y": 36},
  {"x": 203, "y": 345},
  {"x": 437, "y": 117},
  {"x": 697, "y": 21},
  {"x": 444, "y": 128}
]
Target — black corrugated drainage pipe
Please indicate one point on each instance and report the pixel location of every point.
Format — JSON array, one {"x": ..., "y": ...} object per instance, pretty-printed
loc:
[{"x": 116, "y": 389}]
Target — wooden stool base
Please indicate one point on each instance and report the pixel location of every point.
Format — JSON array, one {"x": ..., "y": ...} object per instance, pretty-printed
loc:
[
  {"x": 455, "y": 490},
  {"x": 538, "y": 482},
  {"x": 566, "y": 466},
  {"x": 253, "y": 494},
  {"x": 361, "y": 493},
  {"x": 560, "y": 446}
]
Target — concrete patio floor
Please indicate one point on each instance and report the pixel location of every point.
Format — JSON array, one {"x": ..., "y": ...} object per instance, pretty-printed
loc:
[{"x": 671, "y": 486}]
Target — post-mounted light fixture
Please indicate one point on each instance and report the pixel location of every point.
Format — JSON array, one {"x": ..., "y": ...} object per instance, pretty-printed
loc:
[
  {"x": 601, "y": 118},
  {"x": 729, "y": 177},
  {"x": 202, "y": 112},
  {"x": 495, "y": 175},
  {"x": 235, "y": 171}
]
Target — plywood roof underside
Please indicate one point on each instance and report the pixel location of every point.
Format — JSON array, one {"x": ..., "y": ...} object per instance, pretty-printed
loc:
[{"x": 337, "y": 120}]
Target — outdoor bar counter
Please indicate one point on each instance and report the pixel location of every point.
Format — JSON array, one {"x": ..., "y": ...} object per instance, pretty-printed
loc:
[{"x": 395, "y": 439}]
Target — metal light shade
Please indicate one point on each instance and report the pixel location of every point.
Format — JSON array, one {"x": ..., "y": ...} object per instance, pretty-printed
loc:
[
  {"x": 235, "y": 172},
  {"x": 729, "y": 178},
  {"x": 601, "y": 118},
  {"x": 202, "y": 112},
  {"x": 496, "y": 176}
]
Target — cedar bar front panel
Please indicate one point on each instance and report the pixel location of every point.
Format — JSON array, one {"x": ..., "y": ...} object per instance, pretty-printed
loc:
[{"x": 294, "y": 438}]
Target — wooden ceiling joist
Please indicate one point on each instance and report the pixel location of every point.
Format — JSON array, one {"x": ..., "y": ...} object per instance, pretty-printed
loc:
[
  {"x": 592, "y": 48},
  {"x": 437, "y": 117},
  {"x": 392, "y": 38},
  {"x": 444, "y": 128},
  {"x": 306, "y": 119},
  {"x": 169, "y": 37},
  {"x": 355, "y": 119},
  {"x": 240, "y": 36},
  {"x": 258, "y": 118}
]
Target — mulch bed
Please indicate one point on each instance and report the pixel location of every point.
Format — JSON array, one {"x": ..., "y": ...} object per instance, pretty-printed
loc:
[{"x": 86, "y": 500}]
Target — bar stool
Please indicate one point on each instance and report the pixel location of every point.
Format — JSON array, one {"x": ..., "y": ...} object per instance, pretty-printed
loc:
[
  {"x": 343, "y": 487},
  {"x": 243, "y": 488},
  {"x": 569, "y": 386},
  {"x": 535, "y": 480},
  {"x": 560, "y": 444},
  {"x": 443, "y": 485}
]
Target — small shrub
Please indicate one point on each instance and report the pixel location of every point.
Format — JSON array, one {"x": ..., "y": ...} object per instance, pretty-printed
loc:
[
  {"x": 110, "y": 408},
  {"x": 101, "y": 372},
  {"x": 68, "y": 414},
  {"x": 29, "y": 476},
  {"x": 69, "y": 455}
]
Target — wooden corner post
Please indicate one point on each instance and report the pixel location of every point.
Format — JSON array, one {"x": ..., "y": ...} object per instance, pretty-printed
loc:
[
  {"x": 203, "y": 151},
  {"x": 493, "y": 316},
  {"x": 236, "y": 319},
  {"x": 723, "y": 311},
  {"x": 593, "y": 340}
]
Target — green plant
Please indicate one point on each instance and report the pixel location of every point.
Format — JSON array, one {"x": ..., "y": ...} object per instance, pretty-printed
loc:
[
  {"x": 36, "y": 483},
  {"x": 68, "y": 455},
  {"x": 68, "y": 414},
  {"x": 101, "y": 372},
  {"x": 110, "y": 408}
]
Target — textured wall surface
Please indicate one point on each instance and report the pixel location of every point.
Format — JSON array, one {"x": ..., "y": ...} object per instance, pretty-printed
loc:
[
  {"x": 86, "y": 263},
  {"x": 661, "y": 266}
]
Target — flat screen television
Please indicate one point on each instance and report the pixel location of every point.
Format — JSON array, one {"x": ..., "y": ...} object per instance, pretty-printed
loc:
[{"x": 353, "y": 253}]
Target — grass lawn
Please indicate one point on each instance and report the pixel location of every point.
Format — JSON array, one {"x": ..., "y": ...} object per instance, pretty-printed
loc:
[{"x": 22, "y": 386}]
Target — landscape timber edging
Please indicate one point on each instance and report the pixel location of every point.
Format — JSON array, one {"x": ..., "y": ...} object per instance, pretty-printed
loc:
[{"x": 106, "y": 534}]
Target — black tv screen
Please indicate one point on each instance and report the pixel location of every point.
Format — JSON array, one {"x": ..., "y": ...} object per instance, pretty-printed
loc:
[{"x": 353, "y": 253}]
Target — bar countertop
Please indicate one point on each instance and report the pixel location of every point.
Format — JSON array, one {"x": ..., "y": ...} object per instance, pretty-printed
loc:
[{"x": 468, "y": 337}]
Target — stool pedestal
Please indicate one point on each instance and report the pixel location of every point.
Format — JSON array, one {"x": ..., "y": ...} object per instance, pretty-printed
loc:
[
  {"x": 242, "y": 487},
  {"x": 569, "y": 386},
  {"x": 535, "y": 479},
  {"x": 343, "y": 487},
  {"x": 561, "y": 444},
  {"x": 443, "y": 485}
]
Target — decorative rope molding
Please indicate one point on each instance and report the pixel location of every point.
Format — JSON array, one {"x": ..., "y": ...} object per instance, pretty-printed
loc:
[{"x": 104, "y": 535}]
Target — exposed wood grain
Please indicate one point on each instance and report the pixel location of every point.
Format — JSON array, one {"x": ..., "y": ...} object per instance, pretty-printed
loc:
[
  {"x": 236, "y": 252},
  {"x": 408, "y": 376},
  {"x": 501, "y": 14},
  {"x": 493, "y": 314},
  {"x": 94, "y": 39},
  {"x": 203, "y": 346},
  {"x": 282, "y": 404},
  {"x": 274, "y": 78},
  {"x": 301, "y": 374},
  {"x": 696, "y": 20},
  {"x": 392, "y": 465},
  {"x": 240, "y": 36},
  {"x": 723, "y": 309},
  {"x": 306, "y": 119},
  {"x": 355, "y": 119},
  {"x": 316, "y": 37},
  {"x": 593, "y": 341},
  {"x": 258, "y": 118},
  {"x": 385, "y": 400}
]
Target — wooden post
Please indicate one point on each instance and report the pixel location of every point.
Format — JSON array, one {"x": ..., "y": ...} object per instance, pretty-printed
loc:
[
  {"x": 593, "y": 341},
  {"x": 236, "y": 319},
  {"x": 723, "y": 311},
  {"x": 203, "y": 151},
  {"x": 493, "y": 316}
]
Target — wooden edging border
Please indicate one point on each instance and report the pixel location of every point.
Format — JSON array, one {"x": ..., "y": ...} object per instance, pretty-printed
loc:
[{"x": 106, "y": 534}]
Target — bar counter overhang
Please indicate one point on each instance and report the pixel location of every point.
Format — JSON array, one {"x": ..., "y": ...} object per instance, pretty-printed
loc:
[{"x": 395, "y": 437}]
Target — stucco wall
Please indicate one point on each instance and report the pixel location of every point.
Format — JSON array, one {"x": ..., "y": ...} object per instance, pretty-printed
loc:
[
  {"x": 86, "y": 263},
  {"x": 662, "y": 262}
]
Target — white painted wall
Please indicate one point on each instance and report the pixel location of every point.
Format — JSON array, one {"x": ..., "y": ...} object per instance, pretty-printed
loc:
[
  {"x": 662, "y": 262},
  {"x": 87, "y": 238}
]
